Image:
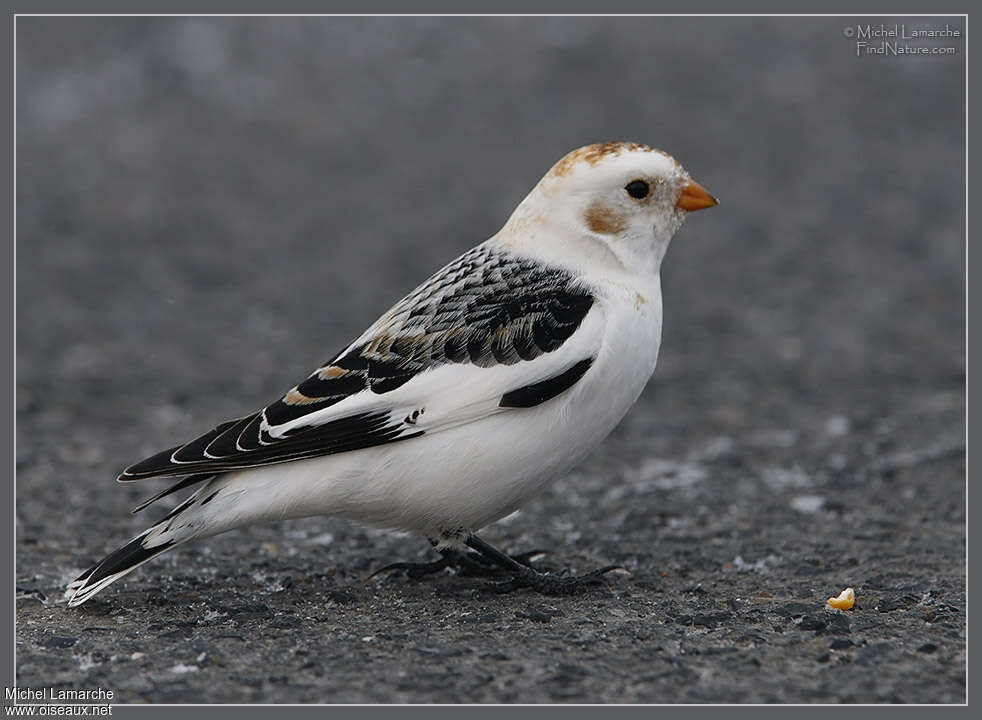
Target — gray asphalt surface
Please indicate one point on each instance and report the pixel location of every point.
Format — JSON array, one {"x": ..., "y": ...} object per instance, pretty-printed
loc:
[{"x": 208, "y": 208}]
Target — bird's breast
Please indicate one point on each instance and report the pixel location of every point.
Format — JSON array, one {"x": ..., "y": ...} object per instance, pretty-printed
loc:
[{"x": 626, "y": 357}]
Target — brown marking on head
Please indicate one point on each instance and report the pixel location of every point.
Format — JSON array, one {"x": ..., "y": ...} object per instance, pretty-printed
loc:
[
  {"x": 603, "y": 220},
  {"x": 593, "y": 154}
]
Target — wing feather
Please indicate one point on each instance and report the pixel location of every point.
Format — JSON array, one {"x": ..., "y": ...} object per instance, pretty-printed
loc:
[{"x": 489, "y": 311}]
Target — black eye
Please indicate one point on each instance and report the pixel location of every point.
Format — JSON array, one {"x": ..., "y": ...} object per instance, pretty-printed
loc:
[{"x": 638, "y": 189}]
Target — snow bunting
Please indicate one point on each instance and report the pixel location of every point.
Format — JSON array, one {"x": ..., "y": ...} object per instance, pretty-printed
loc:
[{"x": 475, "y": 391}]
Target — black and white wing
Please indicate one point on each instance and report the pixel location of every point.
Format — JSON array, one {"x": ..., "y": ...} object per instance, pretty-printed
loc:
[{"x": 478, "y": 337}]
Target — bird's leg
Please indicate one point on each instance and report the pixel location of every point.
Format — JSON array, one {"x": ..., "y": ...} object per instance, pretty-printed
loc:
[
  {"x": 523, "y": 576},
  {"x": 475, "y": 564}
]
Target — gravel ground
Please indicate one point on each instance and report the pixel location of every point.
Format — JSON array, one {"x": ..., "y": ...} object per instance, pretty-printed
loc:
[{"x": 207, "y": 208}]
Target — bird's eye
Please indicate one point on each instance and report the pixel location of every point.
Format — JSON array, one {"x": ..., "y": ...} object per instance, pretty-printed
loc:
[{"x": 638, "y": 189}]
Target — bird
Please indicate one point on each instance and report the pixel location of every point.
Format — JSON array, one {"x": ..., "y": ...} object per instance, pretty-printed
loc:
[{"x": 494, "y": 377}]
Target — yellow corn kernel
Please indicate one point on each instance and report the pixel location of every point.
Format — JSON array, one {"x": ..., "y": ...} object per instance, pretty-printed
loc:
[{"x": 845, "y": 601}]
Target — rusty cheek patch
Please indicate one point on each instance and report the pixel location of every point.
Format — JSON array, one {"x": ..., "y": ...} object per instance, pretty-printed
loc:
[{"x": 602, "y": 219}]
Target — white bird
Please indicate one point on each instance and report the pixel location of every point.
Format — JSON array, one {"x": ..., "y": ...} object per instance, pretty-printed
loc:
[{"x": 487, "y": 382}]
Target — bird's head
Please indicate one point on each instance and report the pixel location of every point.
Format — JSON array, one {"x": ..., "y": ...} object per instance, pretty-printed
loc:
[{"x": 624, "y": 199}]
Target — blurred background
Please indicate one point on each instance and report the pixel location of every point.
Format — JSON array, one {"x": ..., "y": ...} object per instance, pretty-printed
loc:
[
  {"x": 208, "y": 208},
  {"x": 236, "y": 197}
]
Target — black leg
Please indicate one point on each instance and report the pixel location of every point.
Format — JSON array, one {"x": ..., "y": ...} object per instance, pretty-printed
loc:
[
  {"x": 523, "y": 576},
  {"x": 477, "y": 565}
]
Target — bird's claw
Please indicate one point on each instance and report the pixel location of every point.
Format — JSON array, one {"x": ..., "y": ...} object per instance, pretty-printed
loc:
[
  {"x": 465, "y": 564},
  {"x": 548, "y": 584},
  {"x": 414, "y": 570}
]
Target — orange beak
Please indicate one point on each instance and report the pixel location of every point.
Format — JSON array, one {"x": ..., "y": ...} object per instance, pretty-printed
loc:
[{"x": 695, "y": 197}]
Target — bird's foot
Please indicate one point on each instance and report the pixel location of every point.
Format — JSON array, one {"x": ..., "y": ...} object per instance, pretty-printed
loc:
[
  {"x": 470, "y": 564},
  {"x": 413, "y": 570},
  {"x": 514, "y": 571},
  {"x": 521, "y": 575},
  {"x": 549, "y": 584}
]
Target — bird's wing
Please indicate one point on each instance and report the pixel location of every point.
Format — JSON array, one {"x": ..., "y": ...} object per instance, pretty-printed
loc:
[{"x": 478, "y": 337}]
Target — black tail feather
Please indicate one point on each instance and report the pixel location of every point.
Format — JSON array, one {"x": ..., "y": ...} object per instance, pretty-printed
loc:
[
  {"x": 128, "y": 556},
  {"x": 113, "y": 567}
]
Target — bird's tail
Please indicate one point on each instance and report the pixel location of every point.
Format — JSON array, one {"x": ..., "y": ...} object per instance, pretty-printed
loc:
[{"x": 165, "y": 535}]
